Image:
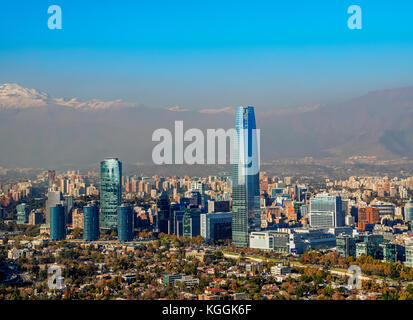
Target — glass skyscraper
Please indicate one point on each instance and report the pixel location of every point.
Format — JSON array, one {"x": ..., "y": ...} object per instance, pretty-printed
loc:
[
  {"x": 192, "y": 222},
  {"x": 125, "y": 223},
  {"x": 57, "y": 222},
  {"x": 110, "y": 192},
  {"x": 91, "y": 223},
  {"x": 245, "y": 178}
]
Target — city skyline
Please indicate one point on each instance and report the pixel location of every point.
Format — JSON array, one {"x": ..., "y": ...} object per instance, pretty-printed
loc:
[{"x": 221, "y": 151}]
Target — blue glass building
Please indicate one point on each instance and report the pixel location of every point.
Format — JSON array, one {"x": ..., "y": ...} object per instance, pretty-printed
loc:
[
  {"x": 110, "y": 192},
  {"x": 125, "y": 223},
  {"x": 57, "y": 222},
  {"x": 90, "y": 223},
  {"x": 245, "y": 178}
]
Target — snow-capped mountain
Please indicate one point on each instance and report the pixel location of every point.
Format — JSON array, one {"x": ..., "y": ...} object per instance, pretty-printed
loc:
[
  {"x": 14, "y": 96},
  {"x": 37, "y": 130}
]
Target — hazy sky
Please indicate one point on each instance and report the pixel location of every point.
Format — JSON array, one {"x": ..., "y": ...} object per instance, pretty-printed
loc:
[{"x": 207, "y": 54}]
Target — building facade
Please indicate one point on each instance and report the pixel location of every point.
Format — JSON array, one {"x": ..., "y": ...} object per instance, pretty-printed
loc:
[
  {"x": 192, "y": 222},
  {"x": 164, "y": 211},
  {"x": 245, "y": 178},
  {"x": 54, "y": 197},
  {"x": 326, "y": 211},
  {"x": 57, "y": 222},
  {"x": 23, "y": 211},
  {"x": 216, "y": 226},
  {"x": 408, "y": 211},
  {"x": 125, "y": 223},
  {"x": 367, "y": 216},
  {"x": 110, "y": 192},
  {"x": 91, "y": 223}
]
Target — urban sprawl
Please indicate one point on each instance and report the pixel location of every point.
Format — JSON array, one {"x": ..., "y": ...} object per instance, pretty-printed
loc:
[{"x": 233, "y": 236}]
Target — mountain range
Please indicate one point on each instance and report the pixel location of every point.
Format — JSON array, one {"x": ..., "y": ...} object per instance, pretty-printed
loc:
[{"x": 40, "y": 131}]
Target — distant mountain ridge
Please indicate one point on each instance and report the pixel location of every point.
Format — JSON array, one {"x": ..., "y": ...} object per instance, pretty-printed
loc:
[
  {"x": 13, "y": 96},
  {"x": 40, "y": 131}
]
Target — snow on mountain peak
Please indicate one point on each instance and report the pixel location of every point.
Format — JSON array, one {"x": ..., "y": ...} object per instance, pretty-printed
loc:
[{"x": 14, "y": 96}]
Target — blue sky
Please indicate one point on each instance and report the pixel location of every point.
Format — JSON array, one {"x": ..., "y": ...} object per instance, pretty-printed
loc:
[{"x": 208, "y": 54}]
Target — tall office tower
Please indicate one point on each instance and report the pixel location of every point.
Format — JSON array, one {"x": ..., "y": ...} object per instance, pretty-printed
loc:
[
  {"x": 91, "y": 223},
  {"x": 110, "y": 192},
  {"x": 68, "y": 202},
  {"x": 164, "y": 210},
  {"x": 36, "y": 217},
  {"x": 125, "y": 223},
  {"x": 326, "y": 211},
  {"x": 192, "y": 222},
  {"x": 245, "y": 178},
  {"x": 299, "y": 192},
  {"x": 178, "y": 222},
  {"x": 171, "y": 224},
  {"x": 54, "y": 197},
  {"x": 408, "y": 211},
  {"x": 51, "y": 175},
  {"x": 367, "y": 216},
  {"x": 23, "y": 211},
  {"x": 57, "y": 222}
]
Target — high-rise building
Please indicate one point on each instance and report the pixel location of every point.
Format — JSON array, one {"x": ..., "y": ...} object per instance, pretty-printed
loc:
[
  {"x": 91, "y": 223},
  {"x": 68, "y": 202},
  {"x": 51, "y": 175},
  {"x": 23, "y": 211},
  {"x": 385, "y": 209},
  {"x": 326, "y": 211},
  {"x": 54, "y": 197},
  {"x": 245, "y": 178},
  {"x": 110, "y": 192},
  {"x": 408, "y": 211},
  {"x": 216, "y": 226},
  {"x": 192, "y": 222},
  {"x": 171, "y": 222},
  {"x": 57, "y": 222},
  {"x": 77, "y": 219},
  {"x": 164, "y": 211},
  {"x": 36, "y": 217},
  {"x": 299, "y": 192},
  {"x": 367, "y": 216},
  {"x": 125, "y": 223},
  {"x": 178, "y": 223}
]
